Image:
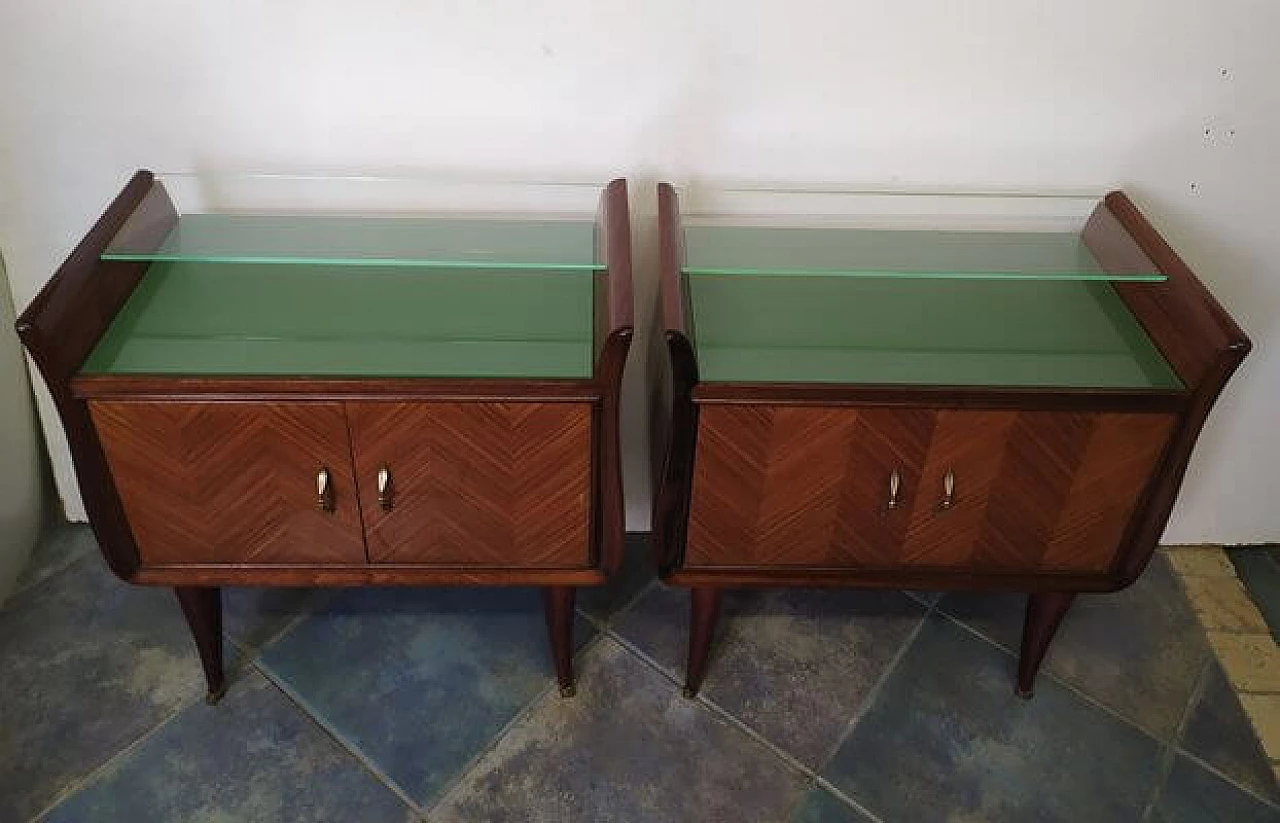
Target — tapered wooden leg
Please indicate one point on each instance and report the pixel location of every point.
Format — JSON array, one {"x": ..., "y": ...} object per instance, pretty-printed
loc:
[
  {"x": 702, "y": 625},
  {"x": 558, "y": 601},
  {"x": 1045, "y": 611},
  {"x": 202, "y": 606}
]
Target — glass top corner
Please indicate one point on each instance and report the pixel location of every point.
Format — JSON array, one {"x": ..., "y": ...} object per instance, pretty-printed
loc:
[{"x": 362, "y": 221}]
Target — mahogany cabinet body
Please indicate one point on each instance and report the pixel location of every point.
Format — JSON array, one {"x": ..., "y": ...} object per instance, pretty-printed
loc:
[
  {"x": 1044, "y": 490},
  {"x": 199, "y": 482}
]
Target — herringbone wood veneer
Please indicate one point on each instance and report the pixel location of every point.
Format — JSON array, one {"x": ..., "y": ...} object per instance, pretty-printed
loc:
[
  {"x": 232, "y": 482},
  {"x": 809, "y": 487},
  {"x": 485, "y": 484}
]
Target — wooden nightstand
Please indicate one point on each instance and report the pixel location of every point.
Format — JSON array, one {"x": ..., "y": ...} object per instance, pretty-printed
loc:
[
  {"x": 978, "y": 406},
  {"x": 281, "y": 398}
]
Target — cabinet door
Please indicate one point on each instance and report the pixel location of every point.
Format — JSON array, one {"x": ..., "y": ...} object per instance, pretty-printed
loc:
[
  {"x": 475, "y": 484},
  {"x": 1004, "y": 491},
  {"x": 226, "y": 482},
  {"x": 1032, "y": 491},
  {"x": 803, "y": 486}
]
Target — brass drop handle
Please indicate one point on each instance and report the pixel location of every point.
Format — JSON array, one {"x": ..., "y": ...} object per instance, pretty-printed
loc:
[
  {"x": 385, "y": 491},
  {"x": 895, "y": 482},
  {"x": 324, "y": 491},
  {"x": 948, "y": 491}
]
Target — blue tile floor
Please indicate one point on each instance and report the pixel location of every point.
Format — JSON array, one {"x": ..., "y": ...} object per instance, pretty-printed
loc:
[
  {"x": 438, "y": 704},
  {"x": 1259, "y": 570}
]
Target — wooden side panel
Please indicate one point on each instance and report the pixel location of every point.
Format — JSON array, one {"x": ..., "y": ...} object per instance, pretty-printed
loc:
[
  {"x": 806, "y": 487},
  {"x": 673, "y": 373},
  {"x": 232, "y": 482},
  {"x": 61, "y": 326},
  {"x": 476, "y": 484}
]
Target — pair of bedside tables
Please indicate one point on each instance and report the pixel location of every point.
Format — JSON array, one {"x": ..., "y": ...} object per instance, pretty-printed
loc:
[{"x": 293, "y": 396}]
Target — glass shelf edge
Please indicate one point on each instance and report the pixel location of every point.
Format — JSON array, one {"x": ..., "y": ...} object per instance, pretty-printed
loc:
[
  {"x": 350, "y": 262},
  {"x": 924, "y": 275}
]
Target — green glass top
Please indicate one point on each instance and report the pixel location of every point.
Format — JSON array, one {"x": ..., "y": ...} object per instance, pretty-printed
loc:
[
  {"x": 188, "y": 318},
  {"x": 849, "y": 252},
  {"x": 421, "y": 242},
  {"x": 1060, "y": 333}
]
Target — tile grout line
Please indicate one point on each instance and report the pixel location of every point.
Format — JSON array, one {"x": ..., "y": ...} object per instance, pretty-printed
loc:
[
  {"x": 1212, "y": 611},
  {"x": 1169, "y": 748},
  {"x": 1050, "y": 675},
  {"x": 875, "y": 690},
  {"x": 787, "y": 759},
  {"x": 1116, "y": 713},
  {"x": 719, "y": 711},
  {"x": 741, "y": 725},
  {"x": 1212, "y": 769},
  {"x": 324, "y": 597},
  {"x": 768, "y": 745},
  {"x": 121, "y": 754},
  {"x": 917, "y": 596},
  {"x": 867, "y": 702},
  {"x": 827, "y": 786},
  {"x": 595, "y": 623},
  {"x": 538, "y": 699},
  {"x": 635, "y": 598},
  {"x": 603, "y": 623},
  {"x": 348, "y": 746},
  {"x": 52, "y": 575},
  {"x": 454, "y": 783},
  {"x": 626, "y": 644}
]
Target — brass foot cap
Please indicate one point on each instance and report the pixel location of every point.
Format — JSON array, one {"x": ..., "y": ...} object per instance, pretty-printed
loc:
[
  {"x": 1025, "y": 694},
  {"x": 690, "y": 692},
  {"x": 215, "y": 695},
  {"x": 568, "y": 691}
]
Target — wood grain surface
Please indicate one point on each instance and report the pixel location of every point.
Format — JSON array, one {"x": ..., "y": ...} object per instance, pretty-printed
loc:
[
  {"x": 486, "y": 484},
  {"x": 788, "y": 486},
  {"x": 232, "y": 482}
]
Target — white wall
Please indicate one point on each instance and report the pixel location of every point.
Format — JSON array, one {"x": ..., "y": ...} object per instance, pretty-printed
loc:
[
  {"x": 21, "y": 477},
  {"x": 1088, "y": 92}
]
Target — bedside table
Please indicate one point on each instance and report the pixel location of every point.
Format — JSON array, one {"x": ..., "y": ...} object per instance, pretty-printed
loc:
[
  {"x": 963, "y": 399},
  {"x": 377, "y": 397}
]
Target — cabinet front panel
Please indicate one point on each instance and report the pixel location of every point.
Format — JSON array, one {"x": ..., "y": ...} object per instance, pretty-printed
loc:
[
  {"x": 475, "y": 484},
  {"x": 226, "y": 482},
  {"x": 810, "y": 487}
]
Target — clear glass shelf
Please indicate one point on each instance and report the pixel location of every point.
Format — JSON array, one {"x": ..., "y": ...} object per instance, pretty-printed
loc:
[
  {"x": 901, "y": 331},
  {"x": 352, "y": 222},
  {"x": 198, "y": 318},
  {"x": 880, "y": 253},
  {"x": 899, "y": 233}
]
